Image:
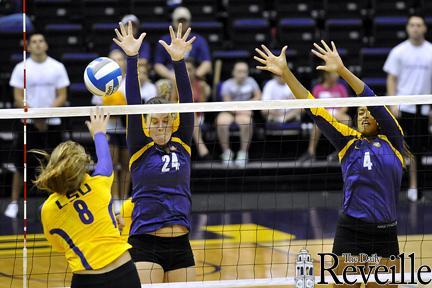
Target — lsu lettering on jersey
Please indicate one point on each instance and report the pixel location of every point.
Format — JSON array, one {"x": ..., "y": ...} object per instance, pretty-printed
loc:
[{"x": 82, "y": 223}]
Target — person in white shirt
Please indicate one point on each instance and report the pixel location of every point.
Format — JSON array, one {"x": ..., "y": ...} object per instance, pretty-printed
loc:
[
  {"x": 239, "y": 88},
  {"x": 47, "y": 83},
  {"x": 276, "y": 89},
  {"x": 409, "y": 72}
]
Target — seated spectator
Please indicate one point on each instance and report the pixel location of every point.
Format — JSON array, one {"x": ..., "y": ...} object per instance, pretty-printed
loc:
[
  {"x": 201, "y": 92},
  {"x": 116, "y": 131},
  {"x": 47, "y": 83},
  {"x": 200, "y": 50},
  {"x": 144, "y": 52},
  {"x": 239, "y": 88},
  {"x": 276, "y": 89},
  {"x": 328, "y": 88},
  {"x": 164, "y": 88},
  {"x": 147, "y": 88}
]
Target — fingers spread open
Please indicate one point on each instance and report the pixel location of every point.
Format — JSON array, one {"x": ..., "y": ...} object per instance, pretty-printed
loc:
[
  {"x": 179, "y": 30},
  {"x": 191, "y": 40},
  {"x": 266, "y": 50},
  {"x": 262, "y": 61},
  {"x": 319, "y": 55},
  {"x": 186, "y": 35},
  {"x": 122, "y": 29},
  {"x": 319, "y": 48},
  {"x": 119, "y": 36},
  {"x": 326, "y": 46},
  {"x": 262, "y": 54},
  {"x": 172, "y": 34},
  {"x": 129, "y": 30},
  {"x": 164, "y": 44}
]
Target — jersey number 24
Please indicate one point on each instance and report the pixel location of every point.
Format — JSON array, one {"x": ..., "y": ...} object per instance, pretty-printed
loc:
[{"x": 173, "y": 160}]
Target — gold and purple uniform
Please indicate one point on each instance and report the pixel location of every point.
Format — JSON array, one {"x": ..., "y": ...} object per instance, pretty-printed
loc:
[
  {"x": 372, "y": 167},
  {"x": 82, "y": 223},
  {"x": 160, "y": 179}
]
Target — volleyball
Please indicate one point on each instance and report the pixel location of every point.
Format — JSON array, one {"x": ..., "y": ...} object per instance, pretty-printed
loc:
[{"x": 102, "y": 76}]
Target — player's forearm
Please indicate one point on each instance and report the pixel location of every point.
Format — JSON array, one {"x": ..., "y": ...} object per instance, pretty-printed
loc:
[
  {"x": 353, "y": 81},
  {"x": 299, "y": 91},
  {"x": 182, "y": 81},
  {"x": 18, "y": 97},
  {"x": 104, "y": 166},
  {"x": 60, "y": 99},
  {"x": 163, "y": 72},
  {"x": 133, "y": 95},
  {"x": 204, "y": 69}
]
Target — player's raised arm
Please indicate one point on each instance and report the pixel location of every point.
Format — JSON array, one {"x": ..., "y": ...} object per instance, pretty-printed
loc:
[
  {"x": 177, "y": 49},
  {"x": 337, "y": 133},
  {"x": 97, "y": 127},
  {"x": 389, "y": 126},
  {"x": 126, "y": 41},
  {"x": 279, "y": 66}
]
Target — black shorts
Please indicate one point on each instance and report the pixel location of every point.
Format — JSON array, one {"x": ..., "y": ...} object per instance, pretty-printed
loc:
[
  {"x": 169, "y": 252},
  {"x": 355, "y": 236},
  {"x": 123, "y": 276}
]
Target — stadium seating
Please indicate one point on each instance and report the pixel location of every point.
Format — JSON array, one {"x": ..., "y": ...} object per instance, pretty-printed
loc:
[
  {"x": 150, "y": 10},
  {"x": 392, "y": 7},
  {"x": 154, "y": 30},
  {"x": 388, "y": 31},
  {"x": 95, "y": 11},
  {"x": 296, "y": 8},
  {"x": 100, "y": 38},
  {"x": 57, "y": 11},
  {"x": 245, "y": 9},
  {"x": 212, "y": 31},
  {"x": 202, "y": 10},
  {"x": 348, "y": 33},
  {"x": 345, "y": 9},
  {"x": 372, "y": 61},
  {"x": 247, "y": 33},
  {"x": 298, "y": 33},
  {"x": 75, "y": 64},
  {"x": 64, "y": 38}
]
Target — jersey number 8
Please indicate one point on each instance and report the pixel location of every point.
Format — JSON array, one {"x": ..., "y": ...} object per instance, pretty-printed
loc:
[{"x": 83, "y": 212}]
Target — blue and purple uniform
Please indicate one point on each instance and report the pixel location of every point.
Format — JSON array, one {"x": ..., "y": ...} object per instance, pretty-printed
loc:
[
  {"x": 160, "y": 180},
  {"x": 372, "y": 167}
]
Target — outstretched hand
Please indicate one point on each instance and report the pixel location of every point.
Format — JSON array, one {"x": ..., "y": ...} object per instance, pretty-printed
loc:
[
  {"x": 98, "y": 122},
  {"x": 333, "y": 62},
  {"x": 126, "y": 40},
  {"x": 179, "y": 45},
  {"x": 272, "y": 63}
]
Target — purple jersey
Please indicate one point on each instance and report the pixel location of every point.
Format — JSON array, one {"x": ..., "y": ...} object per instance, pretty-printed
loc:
[
  {"x": 160, "y": 180},
  {"x": 372, "y": 167}
]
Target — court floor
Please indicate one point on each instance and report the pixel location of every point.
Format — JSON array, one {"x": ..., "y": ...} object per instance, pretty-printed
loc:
[{"x": 244, "y": 244}]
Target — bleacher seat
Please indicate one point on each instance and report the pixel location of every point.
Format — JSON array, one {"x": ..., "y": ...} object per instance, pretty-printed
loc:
[
  {"x": 150, "y": 10},
  {"x": 212, "y": 31},
  {"x": 372, "y": 61},
  {"x": 429, "y": 25},
  {"x": 79, "y": 95},
  {"x": 378, "y": 85},
  {"x": 248, "y": 33},
  {"x": 296, "y": 8},
  {"x": 347, "y": 33},
  {"x": 155, "y": 30},
  {"x": 64, "y": 38},
  {"x": 202, "y": 10},
  {"x": 345, "y": 9},
  {"x": 95, "y": 11},
  {"x": 426, "y": 7},
  {"x": 100, "y": 38},
  {"x": 75, "y": 64},
  {"x": 11, "y": 43},
  {"x": 389, "y": 31},
  {"x": 392, "y": 7},
  {"x": 283, "y": 129},
  {"x": 298, "y": 33},
  {"x": 245, "y": 9},
  {"x": 57, "y": 11}
]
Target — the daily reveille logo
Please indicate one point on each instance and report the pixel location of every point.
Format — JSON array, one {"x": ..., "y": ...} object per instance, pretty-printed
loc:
[{"x": 365, "y": 268}]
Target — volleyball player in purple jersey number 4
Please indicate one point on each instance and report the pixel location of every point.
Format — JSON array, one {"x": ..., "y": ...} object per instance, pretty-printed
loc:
[
  {"x": 159, "y": 148},
  {"x": 372, "y": 161}
]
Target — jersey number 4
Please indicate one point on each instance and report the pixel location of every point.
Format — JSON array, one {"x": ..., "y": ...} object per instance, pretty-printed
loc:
[
  {"x": 367, "y": 161},
  {"x": 175, "y": 164}
]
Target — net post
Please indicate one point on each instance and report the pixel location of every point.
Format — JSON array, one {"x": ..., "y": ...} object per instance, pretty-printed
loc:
[{"x": 24, "y": 8}]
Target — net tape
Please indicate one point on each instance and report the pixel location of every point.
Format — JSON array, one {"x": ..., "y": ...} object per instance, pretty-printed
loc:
[{"x": 217, "y": 106}]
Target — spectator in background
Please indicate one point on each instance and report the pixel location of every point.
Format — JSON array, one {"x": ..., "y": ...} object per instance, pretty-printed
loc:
[
  {"x": 276, "y": 89},
  {"x": 200, "y": 51},
  {"x": 47, "y": 82},
  {"x": 164, "y": 88},
  {"x": 201, "y": 92},
  {"x": 144, "y": 52},
  {"x": 409, "y": 72},
  {"x": 147, "y": 88},
  {"x": 239, "y": 88},
  {"x": 329, "y": 87},
  {"x": 116, "y": 132}
]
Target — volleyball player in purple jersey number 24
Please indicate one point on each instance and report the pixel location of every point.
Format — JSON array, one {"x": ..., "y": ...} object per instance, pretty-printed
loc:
[{"x": 159, "y": 149}]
